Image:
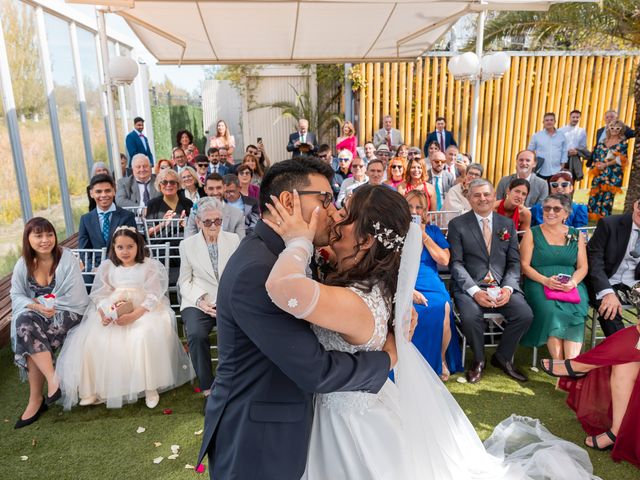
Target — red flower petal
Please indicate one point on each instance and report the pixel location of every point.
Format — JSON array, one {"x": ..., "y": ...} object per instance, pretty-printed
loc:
[
  {"x": 167, "y": 411},
  {"x": 200, "y": 468},
  {"x": 197, "y": 389}
]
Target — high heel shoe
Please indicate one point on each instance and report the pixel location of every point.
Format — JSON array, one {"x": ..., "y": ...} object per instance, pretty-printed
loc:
[
  {"x": 594, "y": 440},
  {"x": 444, "y": 376},
  {"x": 55, "y": 397},
  {"x": 28, "y": 421},
  {"x": 567, "y": 364}
]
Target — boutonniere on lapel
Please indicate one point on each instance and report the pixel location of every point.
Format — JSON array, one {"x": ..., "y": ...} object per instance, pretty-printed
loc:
[
  {"x": 503, "y": 234},
  {"x": 570, "y": 237}
]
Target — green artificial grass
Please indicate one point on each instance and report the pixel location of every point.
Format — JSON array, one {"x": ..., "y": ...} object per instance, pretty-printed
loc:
[{"x": 96, "y": 443}]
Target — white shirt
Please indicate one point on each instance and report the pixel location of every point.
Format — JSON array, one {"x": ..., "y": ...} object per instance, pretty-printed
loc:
[
  {"x": 576, "y": 136},
  {"x": 347, "y": 187},
  {"x": 626, "y": 272},
  {"x": 143, "y": 139},
  {"x": 111, "y": 209}
]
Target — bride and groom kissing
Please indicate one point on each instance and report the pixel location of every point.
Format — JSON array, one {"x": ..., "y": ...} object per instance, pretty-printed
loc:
[{"x": 262, "y": 420}]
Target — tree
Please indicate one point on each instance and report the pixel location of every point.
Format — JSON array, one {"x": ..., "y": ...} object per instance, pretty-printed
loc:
[{"x": 612, "y": 24}]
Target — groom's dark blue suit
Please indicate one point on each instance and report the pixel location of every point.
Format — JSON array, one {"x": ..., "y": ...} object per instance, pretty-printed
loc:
[{"x": 259, "y": 414}]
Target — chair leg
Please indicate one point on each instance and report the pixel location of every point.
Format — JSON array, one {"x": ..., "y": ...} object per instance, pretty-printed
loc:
[
  {"x": 593, "y": 328},
  {"x": 534, "y": 361}
]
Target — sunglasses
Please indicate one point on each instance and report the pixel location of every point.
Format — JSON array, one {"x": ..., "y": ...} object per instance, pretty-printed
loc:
[
  {"x": 343, "y": 160},
  {"x": 327, "y": 197},
  {"x": 437, "y": 161},
  {"x": 217, "y": 222},
  {"x": 166, "y": 183},
  {"x": 560, "y": 184},
  {"x": 549, "y": 208},
  {"x": 396, "y": 167},
  {"x": 203, "y": 165}
]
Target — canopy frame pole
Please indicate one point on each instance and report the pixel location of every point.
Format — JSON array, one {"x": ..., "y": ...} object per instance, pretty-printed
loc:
[
  {"x": 476, "y": 87},
  {"x": 111, "y": 118}
]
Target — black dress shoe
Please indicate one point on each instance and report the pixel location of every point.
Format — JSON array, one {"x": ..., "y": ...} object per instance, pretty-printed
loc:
[
  {"x": 474, "y": 374},
  {"x": 28, "y": 421},
  {"x": 55, "y": 397},
  {"x": 509, "y": 368}
]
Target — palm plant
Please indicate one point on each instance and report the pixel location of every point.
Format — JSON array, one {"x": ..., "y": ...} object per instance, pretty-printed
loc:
[{"x": 612, "y": 24}]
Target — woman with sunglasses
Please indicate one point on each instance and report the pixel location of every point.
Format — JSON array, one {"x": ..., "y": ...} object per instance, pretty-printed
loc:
[
  {"x": 395, "y": 172},
  {"x": 203, "y": 258},
  {"x": 607, "y": 166},
  {"x": 553, "y": 258},
  {"x": 562, "y": 183},
  {"x": 170, "y": 204}
]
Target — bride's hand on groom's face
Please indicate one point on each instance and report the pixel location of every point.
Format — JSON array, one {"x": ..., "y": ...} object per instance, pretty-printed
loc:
[{"x": 291, "y": 225}]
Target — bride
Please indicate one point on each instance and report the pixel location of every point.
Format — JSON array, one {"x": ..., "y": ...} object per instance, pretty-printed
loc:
[{"x": 411, "y": 429}]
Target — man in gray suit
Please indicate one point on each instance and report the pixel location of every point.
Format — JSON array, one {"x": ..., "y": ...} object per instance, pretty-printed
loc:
[
  {"x": 441, "y": 180},
  {"x": 139, "y": 188},
  {"x": 232, "y": 218},
  {"x": 485, "y": 276},
  {"x": 525, "y": 165},
  {"x": 387, "y": 135}
]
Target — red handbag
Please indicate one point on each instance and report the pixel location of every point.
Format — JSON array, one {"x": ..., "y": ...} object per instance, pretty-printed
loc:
[{"x": 572, "y": 296}]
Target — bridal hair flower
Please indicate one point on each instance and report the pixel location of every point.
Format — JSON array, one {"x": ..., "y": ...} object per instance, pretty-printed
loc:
[
  {"x": 388, "y": 238},
  {"x": 126, "y": 227}
]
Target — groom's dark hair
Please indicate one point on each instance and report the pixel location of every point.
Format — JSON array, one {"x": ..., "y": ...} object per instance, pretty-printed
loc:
[{"x": 289, "y": 174}]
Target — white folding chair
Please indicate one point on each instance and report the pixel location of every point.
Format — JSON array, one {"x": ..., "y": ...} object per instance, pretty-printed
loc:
[
  {"x": 493, "y": 330},
  {"x": 90, "y": 259},
  {"x": 139, "y": 214}
]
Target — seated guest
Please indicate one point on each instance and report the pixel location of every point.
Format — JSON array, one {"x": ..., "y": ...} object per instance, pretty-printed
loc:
[
  {"x": 98, "y": 168},
  {"x": 39, "y": 325},
  {"x": 436, "y": 327},
  {"x": 512, "y": 205},
  {"x": 383, "y": 153},
  {"x": 202, "y": 168},
  {"x": 97, "y": 226},
  {"x": 525, "y": 164},
  {"x": 191, "y": 186},
  {"x": 456, "y": 198},
  {"x": 387, "y": 135},
  {"x": 184, "y": 140},
  {"x": 216, "y": 165},
  {"x": 604, "y": 391},
  {"x": 614, "y": 265},
  {"x": 162, "y": 164},
  {"x": 485, "y": 277},
  {"x": 226, "y": 159},
  {"x": 247, "y": 205},
  {"x": 370, "y": 153},
  {"x": 344, "y": 167},
  {"x": 169, "y": 204},
  {"x": 139, "y": 188},
  {"x": 260, "y": 153},
  {"x": 124, "y": 166},
  {"x": 402, "y": 151},
  {"x": 179, "y": 159},
  {"x": 326, "y": 155},
  {"x": 454, "y": 163},
  {"x": 395, "y": 172},
  {"x": 414, "y": 152},
  {"x": 115, "y": 357},
  {"x": 562, "y": 183},
  {"x": 257, "y": 172},
  {"x": 375, "y": 172},
  {"x": 348, "y": 140},
  {"x": 553, "y": 258},
  {"x": 232, "y": 218},
  {"x": 202, "y": 260},
  {"x": 416, "y": 179},
  {"x": 247, "y": 188},
  {"x": 358, "y": 177},
  {"x": 441, "y": 180}
]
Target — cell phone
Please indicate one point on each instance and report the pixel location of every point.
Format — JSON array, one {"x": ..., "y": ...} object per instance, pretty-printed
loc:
[
  {"x": 259, "y": 140},
  {"x": 416, "y": 219},
  {"x": 563, "y": 278}
]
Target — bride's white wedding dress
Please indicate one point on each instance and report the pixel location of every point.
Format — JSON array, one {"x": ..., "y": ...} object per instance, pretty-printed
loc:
[{"x": 414, "y": 429}]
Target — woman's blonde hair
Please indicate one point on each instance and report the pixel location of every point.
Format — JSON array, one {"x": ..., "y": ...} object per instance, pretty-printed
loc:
[
  {"x": 162, "y": 176},
  {"x": 349, "y": 125},
  {"x": 191, "y": 171}
]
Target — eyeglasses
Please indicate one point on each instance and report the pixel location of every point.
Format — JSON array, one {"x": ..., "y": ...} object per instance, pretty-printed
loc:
[
  {"x": 207, "y": 223},
  {"x": 357, "y": 165},
  {"x": 396, "y": 167},
  {"x": 560, "y": 184},
  {"x": 184, "y": 179},
  {"x": 244, "y": 172},
  {"x": 343, "y": 160},
  {"x": 615, "y": 128},
  {"x": 437, "y": 161},
  {"x": 549, "y": 208},
  {"x": 166, "y": 183},
  {"x": 327, "y": 197}
]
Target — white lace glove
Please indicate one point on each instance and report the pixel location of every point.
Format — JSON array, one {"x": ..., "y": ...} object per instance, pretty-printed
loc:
[{"x": 288, "y": 286}]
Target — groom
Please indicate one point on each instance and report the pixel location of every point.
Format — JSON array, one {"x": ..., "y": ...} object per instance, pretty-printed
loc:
[{"x": 259, "y": 414}]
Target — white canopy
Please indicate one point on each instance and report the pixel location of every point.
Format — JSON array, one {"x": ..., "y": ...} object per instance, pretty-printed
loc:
[{"x": 302, "y": 31}]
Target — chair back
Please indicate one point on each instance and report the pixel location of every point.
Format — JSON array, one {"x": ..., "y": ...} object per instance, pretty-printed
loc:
[
  {"x": 90, "y": 259},
  {"x": 139, "y": 214}
]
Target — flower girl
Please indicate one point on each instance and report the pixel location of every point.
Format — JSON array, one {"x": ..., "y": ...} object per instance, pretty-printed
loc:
[{"x": 126, "y": 345}]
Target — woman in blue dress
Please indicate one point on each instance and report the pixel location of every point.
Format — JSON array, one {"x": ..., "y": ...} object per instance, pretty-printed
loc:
[{"x": 435, "y": 336}]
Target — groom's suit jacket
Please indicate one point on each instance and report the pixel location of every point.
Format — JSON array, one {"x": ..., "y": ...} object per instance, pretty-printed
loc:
[{"x": 259, "y": 414}]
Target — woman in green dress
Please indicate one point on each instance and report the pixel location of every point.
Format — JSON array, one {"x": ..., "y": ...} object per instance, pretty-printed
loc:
[{"x": 553, "y": 255}]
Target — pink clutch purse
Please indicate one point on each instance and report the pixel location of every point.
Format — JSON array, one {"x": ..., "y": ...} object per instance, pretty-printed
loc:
[{"x": 572, "y": 296}]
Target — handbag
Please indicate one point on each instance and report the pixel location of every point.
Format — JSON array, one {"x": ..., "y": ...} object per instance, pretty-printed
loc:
[{"x": 572, "y": 296}]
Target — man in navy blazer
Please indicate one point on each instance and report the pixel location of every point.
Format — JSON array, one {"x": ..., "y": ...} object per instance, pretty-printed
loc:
[
  {"x": 301, "y": 137},
  {"x": 103, "y": 191},
  {"x": 137, "y": 142},
  {"x": 443, "y": 137},
  {"x": 609, "y": 117},
  {"x": 259, "y": 413}
]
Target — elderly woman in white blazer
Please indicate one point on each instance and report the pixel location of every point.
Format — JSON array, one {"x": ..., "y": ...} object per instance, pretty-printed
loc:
[{"x": 202, "y": 260}]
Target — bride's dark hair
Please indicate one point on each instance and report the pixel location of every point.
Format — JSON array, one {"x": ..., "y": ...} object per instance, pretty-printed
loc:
[{"x": 381, "y": 206}]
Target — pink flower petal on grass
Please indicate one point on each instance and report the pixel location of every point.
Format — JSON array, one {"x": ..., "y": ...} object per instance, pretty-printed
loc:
[
  {"x": 197, "y": 390},
  {"x": 201, "y": 468}
]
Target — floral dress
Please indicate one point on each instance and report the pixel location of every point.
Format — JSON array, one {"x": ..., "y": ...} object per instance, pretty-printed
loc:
[
  {"x": 607, "y": 182},
  {"x": 35, "y": 333}
]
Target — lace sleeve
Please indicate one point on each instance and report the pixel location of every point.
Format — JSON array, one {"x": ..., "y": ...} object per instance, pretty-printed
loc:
[
  {"x": 288, "y": 285},
  {"x": 155, "y": 285}
]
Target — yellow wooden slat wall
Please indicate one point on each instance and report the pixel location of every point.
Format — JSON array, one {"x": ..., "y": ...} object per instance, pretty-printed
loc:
[{"x": 511, "y": 108}]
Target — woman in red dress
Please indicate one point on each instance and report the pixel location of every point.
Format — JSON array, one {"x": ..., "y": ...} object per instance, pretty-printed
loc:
[
  {"x": 604, "y": 391},
  {"x": 416, "y": 179}
]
